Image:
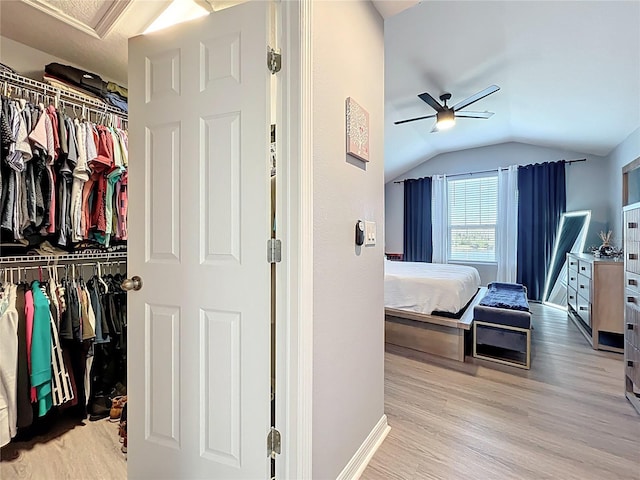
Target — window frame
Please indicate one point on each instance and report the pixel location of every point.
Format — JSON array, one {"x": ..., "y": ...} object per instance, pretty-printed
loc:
[{"x": 450, "y": 228}]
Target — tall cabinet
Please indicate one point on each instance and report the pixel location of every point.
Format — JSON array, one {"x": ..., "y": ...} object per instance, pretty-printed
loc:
[{"x": 632, "y": 303}]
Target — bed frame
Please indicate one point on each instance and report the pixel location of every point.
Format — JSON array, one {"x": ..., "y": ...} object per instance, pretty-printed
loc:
[{"x": 433, "y": 334}]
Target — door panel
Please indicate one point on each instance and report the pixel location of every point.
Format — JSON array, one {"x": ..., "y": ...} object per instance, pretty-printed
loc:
[{"x": 199, "y": 344}]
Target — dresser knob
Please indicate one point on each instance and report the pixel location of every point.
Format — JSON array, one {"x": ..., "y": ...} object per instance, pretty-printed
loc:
[
  {"x": 632, "y": 225},
  {"x": 581, "y": 286},
  {"x": 583, "y": 268},
  {"x": 573, "y": 278},
  {"x": 633, "y": 256},
  {"x": 631, "y": 299},
  {"x": 632, "y": 282},
  {"x": 584, "y": 308},
  {"x": 629, "y": 363},
  {"x": 571, "y": 297},
  {"x": 629, "y": 326}
]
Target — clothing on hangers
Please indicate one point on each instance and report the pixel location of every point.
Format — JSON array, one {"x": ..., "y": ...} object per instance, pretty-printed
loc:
[
  {"x": 61, "y": 177},
  {"x": 62, "y": 343}
]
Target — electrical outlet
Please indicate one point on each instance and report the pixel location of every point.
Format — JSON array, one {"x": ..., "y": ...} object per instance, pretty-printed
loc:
[{"x": 369, "y": 233}]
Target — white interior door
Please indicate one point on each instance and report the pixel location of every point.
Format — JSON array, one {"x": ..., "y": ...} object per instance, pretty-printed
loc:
[{"x": 198, "y": 337}]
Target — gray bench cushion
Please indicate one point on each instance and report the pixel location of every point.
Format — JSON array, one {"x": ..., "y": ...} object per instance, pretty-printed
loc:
[{"x": 502, "y": 316}]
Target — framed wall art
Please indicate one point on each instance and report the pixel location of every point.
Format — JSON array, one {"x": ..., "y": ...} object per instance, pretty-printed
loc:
[{"x": 357, "y": 130}]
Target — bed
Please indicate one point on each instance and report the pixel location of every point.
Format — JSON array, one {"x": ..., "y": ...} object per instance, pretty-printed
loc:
[{"x": 429, "y": 307}]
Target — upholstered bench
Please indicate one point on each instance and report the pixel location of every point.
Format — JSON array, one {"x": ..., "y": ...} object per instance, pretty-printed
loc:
[{"x": 502, "y": 326}]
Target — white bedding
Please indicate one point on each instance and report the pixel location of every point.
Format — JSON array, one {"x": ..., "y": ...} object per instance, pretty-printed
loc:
[{"x": 428, "y": 287}]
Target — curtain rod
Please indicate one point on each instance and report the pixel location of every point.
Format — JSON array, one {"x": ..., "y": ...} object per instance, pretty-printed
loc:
[{"x": 489, "y": 171}]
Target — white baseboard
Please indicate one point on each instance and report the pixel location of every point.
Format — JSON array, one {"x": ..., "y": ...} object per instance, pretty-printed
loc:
[{"x": 361, "y": 459}]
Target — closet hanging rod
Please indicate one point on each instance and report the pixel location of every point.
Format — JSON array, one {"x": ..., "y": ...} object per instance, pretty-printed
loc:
[
  {"x": 76, "y": 265},
  {"x": 43, "y": 260},
  {"x": 19, "y": 81}
]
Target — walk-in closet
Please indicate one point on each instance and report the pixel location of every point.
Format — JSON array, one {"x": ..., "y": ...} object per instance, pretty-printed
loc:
[{"x": 63, "y": 255}]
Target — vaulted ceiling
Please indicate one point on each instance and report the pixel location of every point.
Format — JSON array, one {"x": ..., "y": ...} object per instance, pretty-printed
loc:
[
  {"x": 569, "y": 74},
  {"x": 569, "y": 71}
]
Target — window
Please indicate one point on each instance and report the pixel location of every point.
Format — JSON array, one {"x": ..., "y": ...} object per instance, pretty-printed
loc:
[{"x": 473, "y": 212}]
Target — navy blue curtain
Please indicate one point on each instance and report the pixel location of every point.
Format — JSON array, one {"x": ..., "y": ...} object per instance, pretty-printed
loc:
[
  {"x": 417, "y": 220},
  {"x": 542, "y": 199}
]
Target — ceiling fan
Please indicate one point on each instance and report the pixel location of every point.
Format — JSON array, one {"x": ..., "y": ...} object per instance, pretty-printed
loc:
[{"x": 445, "y": 115}]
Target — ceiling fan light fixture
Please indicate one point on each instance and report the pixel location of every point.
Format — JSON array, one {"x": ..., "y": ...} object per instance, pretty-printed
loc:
[{"x": 445, "y": 119}]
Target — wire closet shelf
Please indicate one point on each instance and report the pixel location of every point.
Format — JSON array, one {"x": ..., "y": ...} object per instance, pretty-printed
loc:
[
  {"x": 12, "y": 81},
  {"x": 57, "y": 260}
]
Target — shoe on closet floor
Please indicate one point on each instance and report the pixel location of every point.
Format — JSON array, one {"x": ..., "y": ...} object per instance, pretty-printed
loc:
[
  {"x": 100, "y": 408},
  {"x": 122, "y": 430},
  {"x": 120, "y": 389},
  {"x": 117, "y": 404}
]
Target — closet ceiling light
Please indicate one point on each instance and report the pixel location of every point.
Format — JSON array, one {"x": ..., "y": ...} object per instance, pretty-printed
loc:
[{"x": 177, "y": 12}]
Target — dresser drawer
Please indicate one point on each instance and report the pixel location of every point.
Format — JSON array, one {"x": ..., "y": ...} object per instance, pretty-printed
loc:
[
  {"x": 632, "y": 281},
  {"x": 584, "y": 310},
  {"x": 632, "y": 257},
  {"x": 631, "y": 300},
  {"x": 632, "y": 225},
  {"x": 584, "y": 268},
  {"x": 584, "y": 287},
  {"x": 572, "y": 279},
  {"x": 636, "y": 367},
  {"x": 631, "y": 333},
  {"x": 632, "y": 320},
  {"x": 572, "y": 298},
  {"x": 630, "y": 366},
  {"x": 572, "y": 264}
]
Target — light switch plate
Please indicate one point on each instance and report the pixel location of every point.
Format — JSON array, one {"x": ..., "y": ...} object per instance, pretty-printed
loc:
[{"x": 369, "y": 233}]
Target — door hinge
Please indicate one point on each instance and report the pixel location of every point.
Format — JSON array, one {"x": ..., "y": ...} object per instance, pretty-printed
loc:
[
  {"x": 273, "y": 443},
  {"x": 274, "y": 60},
  {"x": 274, "y": 250}
]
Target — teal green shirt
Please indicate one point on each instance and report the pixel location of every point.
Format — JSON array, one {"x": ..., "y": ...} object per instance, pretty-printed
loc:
[{"x": 41, "y": 350}]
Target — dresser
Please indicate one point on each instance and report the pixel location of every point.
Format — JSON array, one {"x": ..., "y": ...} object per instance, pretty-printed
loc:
[
  {"x": 594, "y": 290},
  {"x": 632, "y": 303}
]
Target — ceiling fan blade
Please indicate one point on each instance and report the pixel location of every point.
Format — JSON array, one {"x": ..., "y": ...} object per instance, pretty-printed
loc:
[
  {"x": 435, "y": 128},
  {"x": 412, "y": 119},
  {"x": 429, "y": 100},
  {"x": 474, "y": 114},
  {"x": 474, "y": 98}
]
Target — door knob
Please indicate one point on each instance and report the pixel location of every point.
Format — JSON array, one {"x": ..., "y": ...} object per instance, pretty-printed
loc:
[{"x": 133, "y": 283}]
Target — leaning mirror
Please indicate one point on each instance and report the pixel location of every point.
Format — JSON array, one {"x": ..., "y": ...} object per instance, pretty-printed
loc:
[{"x": 571, "y": 236}]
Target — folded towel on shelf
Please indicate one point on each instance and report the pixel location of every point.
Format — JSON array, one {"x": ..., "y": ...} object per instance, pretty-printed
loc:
[
  {"x": 117, "y": 101},
  {"x": 120, "y": 90}
]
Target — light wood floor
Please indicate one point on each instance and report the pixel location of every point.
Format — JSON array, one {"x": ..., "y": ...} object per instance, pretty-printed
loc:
[
  {"x": 71, "y": 450},
  {"x": 565, "y": 419}
]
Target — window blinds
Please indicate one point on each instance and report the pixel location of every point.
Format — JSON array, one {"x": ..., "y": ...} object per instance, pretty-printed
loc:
[{"x": 473, "y": 211}]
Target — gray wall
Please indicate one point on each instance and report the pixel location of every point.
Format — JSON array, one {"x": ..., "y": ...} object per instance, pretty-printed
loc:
[
  {"x": 586, "y": 189},
  {"x": 348, "y": 332},
  {"x": 30, "y": 62},
  {"x": 623, "y": 154}
]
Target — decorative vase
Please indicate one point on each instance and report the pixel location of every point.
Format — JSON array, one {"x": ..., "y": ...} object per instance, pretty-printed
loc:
[{"x": 606, "y": 250}]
